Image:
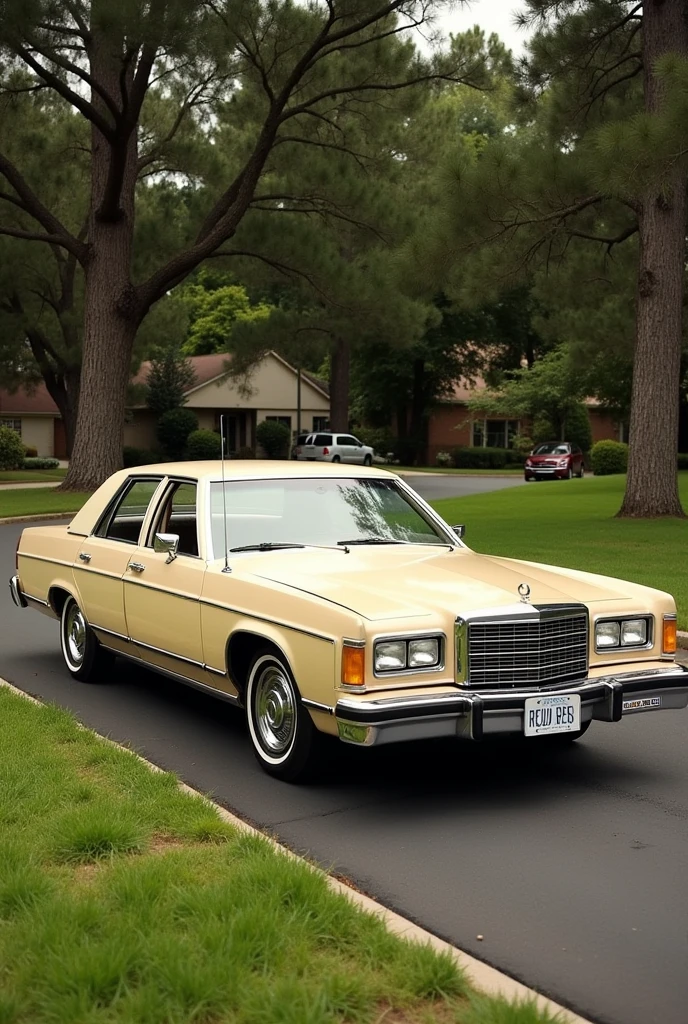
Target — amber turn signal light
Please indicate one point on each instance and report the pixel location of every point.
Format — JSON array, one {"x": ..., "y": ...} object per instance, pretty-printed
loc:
[
  {"x": 353, "y": 666},
  {"x": 669, "y": 635}
]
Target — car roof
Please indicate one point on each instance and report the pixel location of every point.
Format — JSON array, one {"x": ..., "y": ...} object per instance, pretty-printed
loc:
[{"x": 234, "y": 469}]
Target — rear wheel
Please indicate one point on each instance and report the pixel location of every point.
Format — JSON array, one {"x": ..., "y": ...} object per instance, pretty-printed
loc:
[
  {"x": 282, "y": 732},
  {"x": 581, "y": 473},
  {"x": 336, "y": 458},
  {"x": 86, "y": 660}
]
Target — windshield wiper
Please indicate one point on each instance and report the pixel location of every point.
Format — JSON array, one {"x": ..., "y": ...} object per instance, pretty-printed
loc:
[
  {"x": 266, "y": 546},
  {"x": 372, "y": 540}
]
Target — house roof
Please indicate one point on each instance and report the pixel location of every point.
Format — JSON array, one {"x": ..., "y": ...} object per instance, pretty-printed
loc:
[
  {"x": 23, "y": 401},
  {"x": 215, "y": 366}
]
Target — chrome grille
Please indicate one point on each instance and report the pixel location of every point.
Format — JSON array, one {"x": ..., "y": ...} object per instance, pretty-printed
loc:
[{"x": 534, "y": 652}]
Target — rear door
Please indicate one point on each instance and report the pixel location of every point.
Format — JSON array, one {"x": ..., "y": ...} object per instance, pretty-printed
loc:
[
  {"x": 104, "y": 556},
  {"x": 319, "y": 446}
]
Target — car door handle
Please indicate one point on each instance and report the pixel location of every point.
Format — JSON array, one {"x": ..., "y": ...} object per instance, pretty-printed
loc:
[
  {"x": 84, "y": 556},
  {"x": 136, "y": 566}
]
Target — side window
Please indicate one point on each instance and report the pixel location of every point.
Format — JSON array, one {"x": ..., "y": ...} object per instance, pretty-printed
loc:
[
  {"x": 347, "y": 439},
  {"x": 125, "y": 521},
  {"x": 322, "y": 440},
  {"x": 178, "y": 515}
]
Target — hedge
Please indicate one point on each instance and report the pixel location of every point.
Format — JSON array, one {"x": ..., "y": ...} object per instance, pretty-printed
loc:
[
  {"x": 132, "y": 457},
  {"x": 203, "y": 444},
  {"x": 11, "y": 449},
  {"x": 486, "y": 458},
  {"x": 34, "y": 463}
]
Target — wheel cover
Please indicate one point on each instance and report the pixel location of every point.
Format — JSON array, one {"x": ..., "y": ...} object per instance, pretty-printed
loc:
[
  {"x": 275, "y": 710},
  {"x": 75, "y": 634}
]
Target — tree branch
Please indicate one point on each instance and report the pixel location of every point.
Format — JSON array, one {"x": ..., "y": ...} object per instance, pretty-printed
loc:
[
  {"x": 55, "y": 230},
  {"x": 605, "y": 240}
]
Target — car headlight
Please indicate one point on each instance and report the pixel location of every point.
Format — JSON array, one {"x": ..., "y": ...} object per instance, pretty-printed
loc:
[
  {"x": 528, "y": 462},
  {"x": 398, "y": 655},
  {"x": 390, "y": 657},
  {"x": 633, "y": 632},
  {"x": 622, "y": 633},
  {"x": 423, "y": 653}
]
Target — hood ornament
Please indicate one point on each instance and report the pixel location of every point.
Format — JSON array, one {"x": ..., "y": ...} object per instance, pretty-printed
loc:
[{"x": 524, "y": 591}]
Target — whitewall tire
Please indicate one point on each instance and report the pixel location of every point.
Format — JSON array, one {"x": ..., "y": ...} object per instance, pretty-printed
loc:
[
  {"x": 281, "y": 730},
  {"x": 85, "y": 659}
]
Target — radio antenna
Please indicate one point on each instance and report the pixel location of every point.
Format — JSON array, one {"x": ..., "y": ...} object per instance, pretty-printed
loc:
[{"x": 224, "y": 492}]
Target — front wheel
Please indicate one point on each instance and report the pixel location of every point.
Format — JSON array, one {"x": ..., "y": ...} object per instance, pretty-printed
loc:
[
  {"x": 569, "y": 475},
  {"x": 282, "y": 732},
  {"x": 368, "y": 460},
  {"x": 84, "y": 657}
]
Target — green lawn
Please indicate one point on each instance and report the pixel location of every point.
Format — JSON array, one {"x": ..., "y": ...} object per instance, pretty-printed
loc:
[
  {"x": 31, "y": 476},
  {"x": 123, "y": 899},
  {"x": 38, "y": 500},
  {"x": 571, "y": 523}
]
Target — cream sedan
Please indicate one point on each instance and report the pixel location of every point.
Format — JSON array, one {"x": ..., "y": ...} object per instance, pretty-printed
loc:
[{"x": 332, "y": 600}]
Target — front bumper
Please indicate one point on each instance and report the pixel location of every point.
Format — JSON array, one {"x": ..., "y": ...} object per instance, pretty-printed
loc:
[
  {"x": 373, "y": 722},
  {"x": 15, "y": 591}
]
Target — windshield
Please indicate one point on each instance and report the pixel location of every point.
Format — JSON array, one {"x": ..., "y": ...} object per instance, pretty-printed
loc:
[
  {"x": 317, "y": 511},
  {"x": 551, "y": 449}
]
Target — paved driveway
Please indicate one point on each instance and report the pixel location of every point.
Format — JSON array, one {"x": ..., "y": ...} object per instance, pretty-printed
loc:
[{"x": 571, "y": 865}]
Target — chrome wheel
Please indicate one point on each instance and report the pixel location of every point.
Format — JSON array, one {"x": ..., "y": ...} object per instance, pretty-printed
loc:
[
  {"x": 75, "y": 635},
  {"x": 275, "y": 705}
]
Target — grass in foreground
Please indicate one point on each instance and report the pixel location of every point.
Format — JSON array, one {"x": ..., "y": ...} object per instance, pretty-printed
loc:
[
  {"x": 571, "y": 523},
  {"x": 31, "y": 476},
  {"x": 38, "y": 501},
  {"x": 124, "y": 900}
]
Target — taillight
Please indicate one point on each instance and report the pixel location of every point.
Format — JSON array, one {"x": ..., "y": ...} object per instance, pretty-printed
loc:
[{"x": 326, "y": 451}]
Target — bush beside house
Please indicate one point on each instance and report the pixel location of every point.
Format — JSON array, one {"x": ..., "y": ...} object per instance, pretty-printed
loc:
[
  {"x": 173, "y": 429},
  {"x": 203, "y": 444},
  {"x": 11, "y": 449},
  {"x": 274, "y": 438}
]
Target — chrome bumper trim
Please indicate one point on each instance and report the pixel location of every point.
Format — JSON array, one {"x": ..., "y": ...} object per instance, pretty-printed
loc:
[
  {"x": 373, "y": 722},
  {"x": 16, "y": 593}
]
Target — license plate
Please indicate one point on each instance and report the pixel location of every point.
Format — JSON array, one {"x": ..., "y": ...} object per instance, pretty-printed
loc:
[{"x": 545, "y": 715}]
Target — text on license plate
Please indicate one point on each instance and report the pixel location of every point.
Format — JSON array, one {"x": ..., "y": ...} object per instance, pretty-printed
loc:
[{"x": 555, "y": 713}]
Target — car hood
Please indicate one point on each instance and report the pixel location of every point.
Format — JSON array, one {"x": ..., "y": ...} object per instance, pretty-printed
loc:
[{"x": 395, "y": 582}]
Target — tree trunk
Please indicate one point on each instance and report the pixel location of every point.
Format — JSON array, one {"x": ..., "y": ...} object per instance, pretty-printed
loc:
[
  {"x": 340, "y": 366},
  {"x": 111, "y": 313},
  {"x": 418, "y": 429},
  {"x": 652, "y": 483}
]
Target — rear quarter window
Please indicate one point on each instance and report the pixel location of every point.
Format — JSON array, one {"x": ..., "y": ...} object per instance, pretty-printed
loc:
[{"x": 323, "y": 439}]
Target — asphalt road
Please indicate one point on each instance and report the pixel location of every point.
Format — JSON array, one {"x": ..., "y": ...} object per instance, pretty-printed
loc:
[
  {"x": 448, "y": 485},
  {"x": 573, "y": 866}
]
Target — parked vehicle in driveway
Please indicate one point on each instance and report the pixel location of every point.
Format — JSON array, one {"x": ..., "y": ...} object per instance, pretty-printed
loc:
[
  {"x": 333, "y": 447},
  {"x": 331, "y": 599},
  {"x": 299, "y": 442},
  {"x": 554, "y": 460}
]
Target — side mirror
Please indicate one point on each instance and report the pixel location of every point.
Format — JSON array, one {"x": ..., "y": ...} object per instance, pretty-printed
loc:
[
  {"x": 460, "y": 531},
  {"x": 166, "y": 543}
]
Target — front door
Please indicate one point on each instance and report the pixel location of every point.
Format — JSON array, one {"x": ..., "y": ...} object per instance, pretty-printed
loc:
[{"x": 162, "y": 597}]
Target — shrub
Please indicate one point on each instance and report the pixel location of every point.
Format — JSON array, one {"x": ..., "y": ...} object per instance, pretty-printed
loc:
[
  {"x": 480, "y": 458},
  {"x": 407, "y": 450},
  {"x": 683, "y": 460},
  {"x": 11, "y": 449},
  {"x": 274, "y": 438},
  {"x": 245, "y": 453},
  {"x": 132, "y": 457},
  {"x": 173, "y": 429},
  {"x": 578, "y": 430},
  {"x": 607, "y": 457},
  {"x": 30, "y": 452},
  {"x": 523, "y": 444},
  {"x": 443, "y": 459},
  {"x": 203, "y": 444},
  {"x": 380, "y": 439},
  {"x": 40, "y": 463}
]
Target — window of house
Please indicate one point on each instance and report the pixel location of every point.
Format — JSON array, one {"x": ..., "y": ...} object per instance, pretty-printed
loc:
[
  {"x": 12, "y": 425},
  {"x": 286, "y": 420},
  {"x": 320, "y": 423},
  {"x": 501, "y": 433},
  {"x": 478, "y": 433}
]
